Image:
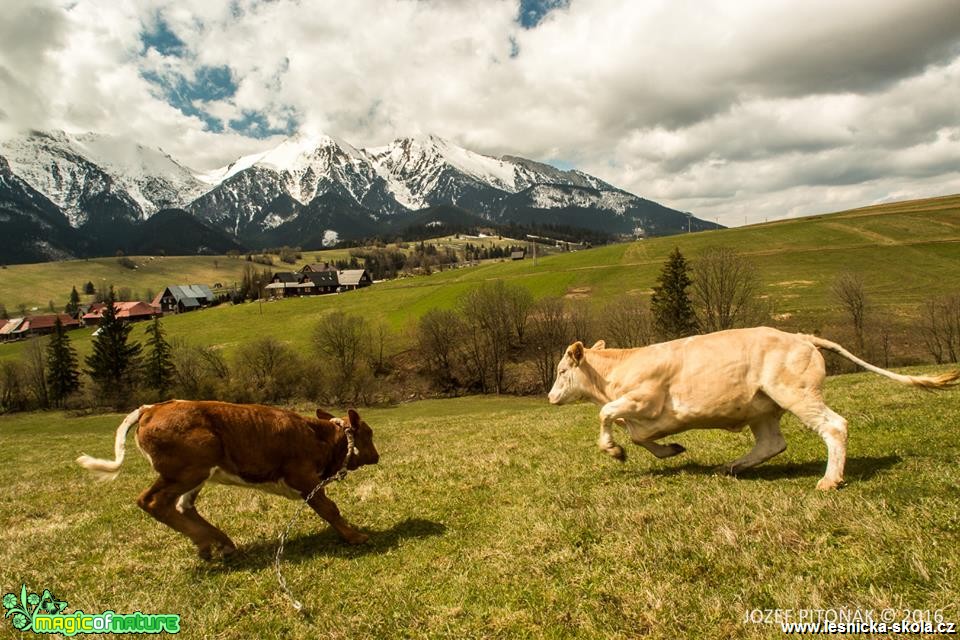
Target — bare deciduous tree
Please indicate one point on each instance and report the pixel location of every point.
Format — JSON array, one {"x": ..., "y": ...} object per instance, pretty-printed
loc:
[
  {"x": 940, "y": 327},
  {"x": 848, "y": 289},
  {"x": 549, "y": 334},
  {"x": 628, "y": 323},
  {"x": 13, "y": 397},
  {"x": 494, "y": 315},
  {"x": 582, "y": 322},
  {"x": 440, "y": 334},
  {"x": 35, "y": 369},
  {"x": 343, "y": 340},
  {"x": 726, "y": 289},
  {"x": 267, "y": 370}
]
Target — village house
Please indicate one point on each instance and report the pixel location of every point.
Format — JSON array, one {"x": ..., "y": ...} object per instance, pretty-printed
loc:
[
  {"x": 287, "y": 283},
  {"x": 350, "y": 279},
  {"x": 179, "y": 298},
  {"x": 126, "y": 311},
  {"x": 13, "y": 329},
  {"x": 317, "y": 267},
  {"x": 520, "y": 254},
  {"x": 17, "y": 328}
]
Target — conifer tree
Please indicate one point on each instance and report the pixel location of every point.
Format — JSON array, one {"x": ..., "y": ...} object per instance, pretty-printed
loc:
[
  {"x": 673, "y": 312},
  {"x": 63, "y": 377},
  {"x": 113, "y": 363},
  {"x": 74, "y": 305},
  {"x": 158, "y": 369}
]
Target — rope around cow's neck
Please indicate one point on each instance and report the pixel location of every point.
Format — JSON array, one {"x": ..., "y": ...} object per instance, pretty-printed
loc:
[{"x": 339, "y": 475}]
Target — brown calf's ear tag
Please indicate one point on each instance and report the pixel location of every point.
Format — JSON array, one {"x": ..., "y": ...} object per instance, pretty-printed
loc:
[{"x": 323, "y": 415}]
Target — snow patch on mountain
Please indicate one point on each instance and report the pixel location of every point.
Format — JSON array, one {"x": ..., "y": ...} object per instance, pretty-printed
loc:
[
  {"x": 545, "y": 196},
  {"x": 70, "y": 168}
]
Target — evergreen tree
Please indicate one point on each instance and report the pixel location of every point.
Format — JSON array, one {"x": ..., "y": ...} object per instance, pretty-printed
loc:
[
  {"x": 158, "y": 369},
  {"x": 89, "y": 289},
  {"x": 113, "y": 363},
  {"x": 73, "y": 307},
  {"x": 63, "y": 377},
  {"x": 673, "y": 312}
]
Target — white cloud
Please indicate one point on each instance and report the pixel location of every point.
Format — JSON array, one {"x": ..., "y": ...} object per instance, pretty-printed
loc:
[{"x": 726, "y": 109}]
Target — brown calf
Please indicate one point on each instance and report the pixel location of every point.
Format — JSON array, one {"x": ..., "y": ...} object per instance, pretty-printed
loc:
[{"x": 189, "y": 443}]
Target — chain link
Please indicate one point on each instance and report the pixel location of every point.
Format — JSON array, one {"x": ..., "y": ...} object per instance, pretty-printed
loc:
[{"x": 339, "y": 475}]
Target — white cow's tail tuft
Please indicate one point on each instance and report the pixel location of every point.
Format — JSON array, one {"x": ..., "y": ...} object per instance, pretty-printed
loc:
[
  {"x": 109, "y": 469},
  {"x": 942, "y": 381}
]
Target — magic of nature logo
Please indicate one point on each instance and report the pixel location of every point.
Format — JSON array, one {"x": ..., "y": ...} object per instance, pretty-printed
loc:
[{"x": 44, "y": 613}]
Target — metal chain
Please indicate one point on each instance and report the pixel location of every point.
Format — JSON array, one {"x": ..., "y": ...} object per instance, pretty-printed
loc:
[{"x": 339, "y": 475}]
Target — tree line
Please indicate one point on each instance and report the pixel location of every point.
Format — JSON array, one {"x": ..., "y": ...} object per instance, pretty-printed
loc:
[{"x": 496, "y": 338}]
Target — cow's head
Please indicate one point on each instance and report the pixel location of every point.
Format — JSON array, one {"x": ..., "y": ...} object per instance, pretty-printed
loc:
[
  {"x": 364, "y": 450},
  {"x": 570, "y": 378}
]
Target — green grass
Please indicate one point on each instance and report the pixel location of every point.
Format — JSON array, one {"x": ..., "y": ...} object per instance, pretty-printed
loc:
[
  {"x": 497, "y": 517},
  {"x": 906, "y": 252}
]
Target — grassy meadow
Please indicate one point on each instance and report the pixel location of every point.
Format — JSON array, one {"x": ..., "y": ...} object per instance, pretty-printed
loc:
[
  {"x": 906, "y": 253},
  {"x": 498, "y": 517}
]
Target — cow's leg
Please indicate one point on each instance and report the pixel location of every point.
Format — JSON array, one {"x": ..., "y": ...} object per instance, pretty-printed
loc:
[
  {"x": 160, "y": 501},
  {"x": 187, "y": 505},
  {"x": 768, "y": 443},
  {"x": 635, "y": 429},
  {"x": 809, "y": 407},
  {"x": 637, "y": 406},
  {"x": 305, "y": 482},
  {"x": 609, "y": 414},
  {"x": 832, "y": 427}
]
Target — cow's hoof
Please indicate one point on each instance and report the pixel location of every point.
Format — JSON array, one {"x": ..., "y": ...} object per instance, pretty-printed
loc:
[
  {"x": 205, "y": 553},
  {"x": 358, "y": 538},
  {"x": 725, "y": 470},
  {"x": 228, "y": 551},
  {"x": 828, "y": 485},
  {"x": 617, "y": 453},
  {"x": 675, "y": 449}
]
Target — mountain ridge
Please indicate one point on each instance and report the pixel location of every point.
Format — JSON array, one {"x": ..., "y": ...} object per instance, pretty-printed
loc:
[{"x": 107, "y": 186}]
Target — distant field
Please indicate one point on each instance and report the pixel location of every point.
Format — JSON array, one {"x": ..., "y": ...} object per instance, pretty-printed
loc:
[
  {"x": 905, "y": 251},
  {"x": 496, "y": 517}
]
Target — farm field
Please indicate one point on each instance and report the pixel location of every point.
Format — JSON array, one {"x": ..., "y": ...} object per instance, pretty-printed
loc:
[
  {"x": 497, "y": 517},
  {"x": 906, "y": 253}
]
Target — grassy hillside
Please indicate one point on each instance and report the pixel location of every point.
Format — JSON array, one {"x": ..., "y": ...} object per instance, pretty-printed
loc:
[
  {"x": 497, "y": 517},
  {"x": 905, "y": 251}
]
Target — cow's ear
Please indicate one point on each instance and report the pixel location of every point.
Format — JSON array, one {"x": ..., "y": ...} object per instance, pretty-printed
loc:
[
  {"x": 354, "y": 418},
  {"x": 599, "y": 344},
  {"x": 323, "y": 415},
  {"x": 575, "y": 351}
]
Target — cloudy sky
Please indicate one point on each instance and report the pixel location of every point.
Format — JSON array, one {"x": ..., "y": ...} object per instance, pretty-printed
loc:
[{"x": 735, "y": 109}]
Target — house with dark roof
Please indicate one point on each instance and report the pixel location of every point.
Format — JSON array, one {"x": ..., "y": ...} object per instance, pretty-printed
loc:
[
  {"x": 287, "y": 283},
  {"x": 317, "y": 267},
  {"x": 324, "y": 281},
  {"x": 520, "y": 254},
  {"x": 179, "y": 298}
]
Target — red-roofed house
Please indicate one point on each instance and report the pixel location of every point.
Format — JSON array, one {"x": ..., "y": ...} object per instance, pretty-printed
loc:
[
  {"x": 126, "y": 311},
  {"x": 42, "y": 325}
]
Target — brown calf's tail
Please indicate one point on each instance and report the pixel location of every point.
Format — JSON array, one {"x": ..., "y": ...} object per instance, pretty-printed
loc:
[
  {"x": 942, "y": 381},
  {"x": 108, "y": 469}
]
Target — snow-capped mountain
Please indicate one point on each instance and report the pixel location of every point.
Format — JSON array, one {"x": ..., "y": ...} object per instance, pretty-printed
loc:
[
  {"x": 313, "y": 188},
  {"x": 71, "y": 170},
  {"x": 34, "y": 228},
  {"x": 302, "y": 168}
]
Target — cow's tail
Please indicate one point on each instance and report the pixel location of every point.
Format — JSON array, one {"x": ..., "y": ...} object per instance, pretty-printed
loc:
[
  {"x": 109, "y": 469},
  {"x": 942, "y": 381}
]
